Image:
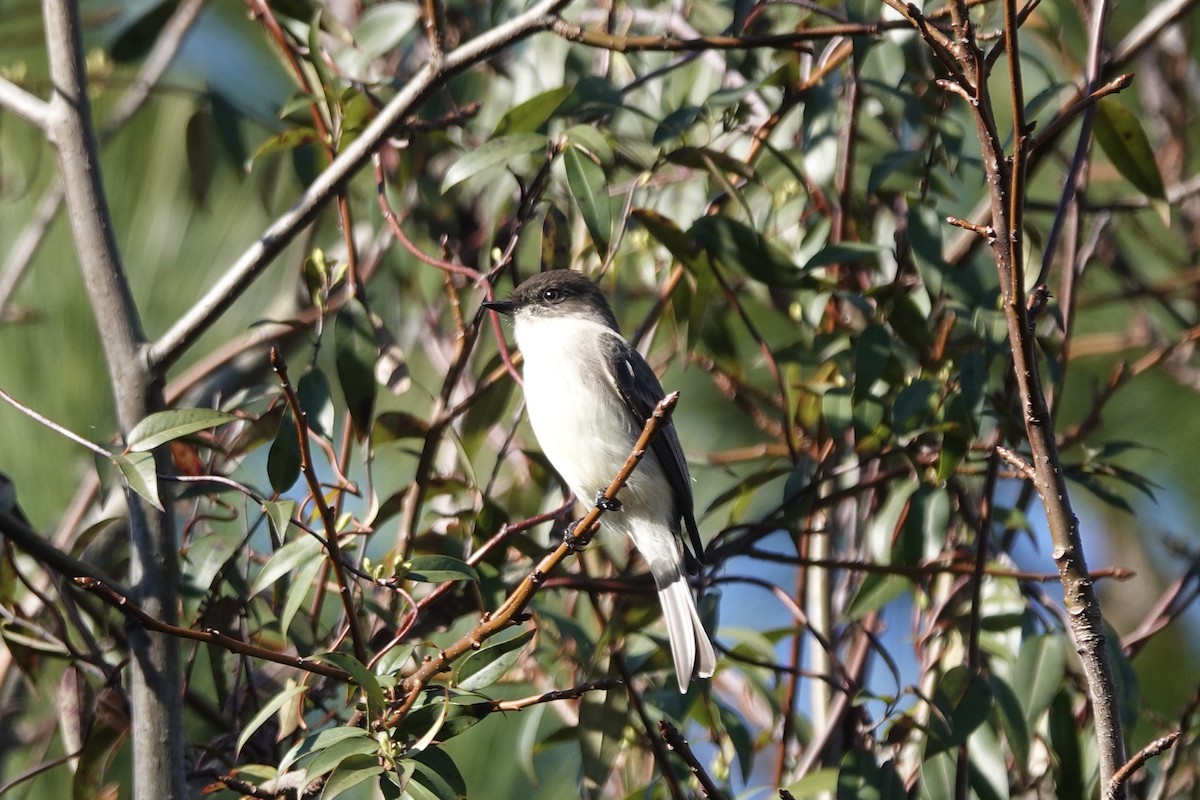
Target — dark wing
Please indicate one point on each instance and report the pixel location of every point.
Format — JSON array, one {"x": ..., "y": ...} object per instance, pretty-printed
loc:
[{"x": 641, "y": 391}]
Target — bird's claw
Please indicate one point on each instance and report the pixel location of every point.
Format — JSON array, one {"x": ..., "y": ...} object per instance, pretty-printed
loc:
[
  {"x": 574, "y": 542},
  {"x": 607, "y": 503}
]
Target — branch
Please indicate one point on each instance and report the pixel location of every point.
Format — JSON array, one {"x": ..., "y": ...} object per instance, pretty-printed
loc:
[
  {"x": 500, "y": 619},
  {"x": 551, "y": 697},
  {"x": 172, "y": 344},
  {"x": 674, "y": 739},
  {"x": 328, "y": 518},
  {"x": 1157, "y": 747},
  {"x": 208, "y": 635},
  {"x": 28, "y": 107}
]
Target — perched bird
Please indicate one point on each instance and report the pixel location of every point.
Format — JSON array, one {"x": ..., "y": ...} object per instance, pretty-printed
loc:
[{"x": 589, "y": 393}]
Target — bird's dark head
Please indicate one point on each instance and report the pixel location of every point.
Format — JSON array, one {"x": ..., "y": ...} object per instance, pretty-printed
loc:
[{"x": 558, "y": 293}]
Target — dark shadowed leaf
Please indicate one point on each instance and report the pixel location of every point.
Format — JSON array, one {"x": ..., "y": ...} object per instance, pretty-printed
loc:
[
  {"x": 1040, "y": 667},
  {"x": 741, "y": 248},
  {"x": 860, "y": 778},
  {"x": 1120, "y": 133},
  {"x": 354, "y": 347},
  {"x": 283, "y": 459},
  {"x": 360, "y": 675},
  {"x": 435, "y": 776}
]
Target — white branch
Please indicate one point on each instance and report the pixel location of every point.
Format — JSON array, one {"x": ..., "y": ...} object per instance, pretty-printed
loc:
[
  {"x": 280, "y": 233},
  {"x": 26, "y": 106}
]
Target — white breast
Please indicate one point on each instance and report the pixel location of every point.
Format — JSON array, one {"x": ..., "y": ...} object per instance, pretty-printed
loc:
[{"x": 576, "y": 414}]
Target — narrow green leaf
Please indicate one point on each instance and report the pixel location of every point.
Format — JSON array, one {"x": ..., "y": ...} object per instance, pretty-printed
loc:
[
  {"x": 299, "y": 589},
  {"x": 871, "y": 354},
  {"x": 317, "y": 742},
  {"x": 283, "y": 459},
  {"x": 1039, "y": 670},
  {"x": 493, "y": 153},
  {"x": 436, "y": 775},
  {"x": 328, "y": 759},
  {"x": 141, "y": 475},
  {"x": 279, "y": 514},
  {"x": 602, "y": 719},
  {"x": 529, "y": 116},
  {"x": 287, "y": 558},
  {"x": 592, "y": 139},
  {"x": 875, "y": 592},
  {"x": 1012, "y": 720},
  {"x": 360, "y": 675},
  {"x": 273, "y": 705},
  {"x": 439, "y": 569},
  {"x": 381, "y": 28},
  {"x": 1120, "y": 133},
  {"x": 938, "y": 776},
  {"x": 589, "y": 187},
  {"x": 963, "y": 703},
  {"x": 484, "y": 667},
  {"x": 743, "y": 249},
  {"x": 352, "y": 771},
  {"x": 316, "y": 399},
  {"x": 355, "y": 354},
  {"x": 844, "y": 253}
]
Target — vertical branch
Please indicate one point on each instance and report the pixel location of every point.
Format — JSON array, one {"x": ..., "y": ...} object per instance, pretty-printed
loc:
[{"x": 153, "y": 573}]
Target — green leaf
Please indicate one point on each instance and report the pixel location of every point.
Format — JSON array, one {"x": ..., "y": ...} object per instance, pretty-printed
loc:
[
  {"x": 360, "y": 675},
  {"x": 299, "y": 589},
  {"x": 589, "y": 187},
  {"x": 381, "y": 28},
  {"x": 355, "y": 354},
  {"x": 876, "y": 591},
  {"x": 484, "y": 667},
  {"x": 1012, "y": 720},
  {"x": 315, "y": 398},
  {"x": 279, "y": 514},
  {"x": 531, "y": 115},
  {"x": 938, "y": 776},
  {"x": 442, "y": 719},
  {"x": 1120, "y": 133},
  {"x": 819, "y": 782},
  {"x": 439, "y": 569},
  {"x": 141, "y": 475},
  {"x": 837, "y": 408},
  {"x": 287, "y": 141},
  {"x": 844, "y": 253},
  {"x": 283, "y": 459},
  {"x": 352, "y": 771},
  {"x": 328, "y": 759},
  {"x": 962, "y": 703},
  {"x": 1039, "y": 670},
  {"x": 591, "y": 139},
  {"x": 287, "y": 558},
  {"x": 871, "y": 354},
  {"x": 273, "y": 705},
  {"x": 602, "y": 719},
  {"x": 435, "y": 776},
  {"x": 860, "y": 778},
  {"x": 741, "y": 248},
  {"x": 317, "y": 742},
  {"x": 493, "y": 153}
]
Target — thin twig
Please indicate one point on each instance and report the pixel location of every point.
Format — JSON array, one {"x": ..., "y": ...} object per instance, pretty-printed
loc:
[
  {"x": 328, "y": 519},
  {"x": 676, "y": 742}
]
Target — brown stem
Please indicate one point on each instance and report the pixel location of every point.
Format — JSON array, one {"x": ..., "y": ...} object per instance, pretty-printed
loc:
[{"x": 328, "y": 518}]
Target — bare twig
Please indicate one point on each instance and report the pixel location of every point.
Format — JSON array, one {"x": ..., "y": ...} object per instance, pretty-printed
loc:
[
  {"x": 676, "y": 742},
  {"x": 1157, "y": 747},
  {"x": 328, "y": 519},
  {"x": 208, "y": 635}
]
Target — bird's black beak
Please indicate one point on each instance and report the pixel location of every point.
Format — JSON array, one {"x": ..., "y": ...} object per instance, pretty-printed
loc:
[{"x": 501, "y": 306}]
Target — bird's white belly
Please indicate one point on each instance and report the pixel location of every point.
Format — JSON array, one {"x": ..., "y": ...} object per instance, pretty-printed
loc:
[{"x": 586, "y": 438}]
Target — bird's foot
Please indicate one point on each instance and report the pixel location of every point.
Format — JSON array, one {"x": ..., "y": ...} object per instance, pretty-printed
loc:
[
  {"x": 576, "y": 543},
  {"x": 607, "y": 503}
]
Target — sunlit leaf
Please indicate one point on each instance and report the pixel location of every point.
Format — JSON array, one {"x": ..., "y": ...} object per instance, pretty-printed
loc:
[
  {"x": 493, "y": 153},
  {"x": 484, "y": 667},
  {"x": 531, "y": 115},
  {"x": 438, "y": 569},
  {"x": 365, "y": 679},
  {"x": 266, "y": 712},
  {"x": 164, "y": 426},
  {"x": 743, "y": 249},
  {"x": 589, "y": 188},
  {"x": 141, "y": 475},
  {"x": 353, "y": 770}
]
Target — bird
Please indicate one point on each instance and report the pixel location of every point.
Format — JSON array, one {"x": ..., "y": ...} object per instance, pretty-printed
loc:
[{"x": 588, "y": 393}]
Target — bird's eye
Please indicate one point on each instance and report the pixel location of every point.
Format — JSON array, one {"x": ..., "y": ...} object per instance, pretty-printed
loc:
[{"x": 552, "y": 295}]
